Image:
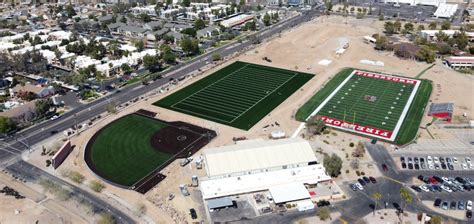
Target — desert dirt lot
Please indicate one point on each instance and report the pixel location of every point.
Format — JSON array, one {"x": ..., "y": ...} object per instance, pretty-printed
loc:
[{"x": 299, "y": 49}]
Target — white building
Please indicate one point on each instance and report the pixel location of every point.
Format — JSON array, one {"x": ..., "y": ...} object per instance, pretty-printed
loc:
[
  {"x": 258, "y": 165},
  {"x": 430, "y": 35},
  {"x": 237, "y": 20},
  {"x": 417, "y": 2},
  {"x": 460, "y": 62},
  {"x": 446, "y": 10},
  {"x": 149, "y": 10}
]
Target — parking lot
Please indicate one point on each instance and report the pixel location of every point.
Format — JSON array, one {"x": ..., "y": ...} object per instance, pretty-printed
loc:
[{"x": 434, "y": 162}]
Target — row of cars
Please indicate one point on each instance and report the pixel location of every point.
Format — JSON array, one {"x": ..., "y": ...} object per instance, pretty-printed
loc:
[
  {"x": 434, "y": 163},
  {"x": 440, "y": 183},
  {"x": 362, "y": 182},
  {"x": 459, "y": 205}
]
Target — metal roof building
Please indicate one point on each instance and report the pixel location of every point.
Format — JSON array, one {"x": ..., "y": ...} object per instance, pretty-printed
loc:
[
  {"x": 255, "y": 156},
  {"x": 258, "y": 165}
]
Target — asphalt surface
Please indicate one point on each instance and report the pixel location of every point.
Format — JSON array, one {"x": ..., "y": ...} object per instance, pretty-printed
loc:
[{"x": 32, "y": 173}]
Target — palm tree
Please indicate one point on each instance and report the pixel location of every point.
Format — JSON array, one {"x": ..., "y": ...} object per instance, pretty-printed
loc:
[
  {"x": 376, "y": 196},
  {"x": 406, "y": 197}
]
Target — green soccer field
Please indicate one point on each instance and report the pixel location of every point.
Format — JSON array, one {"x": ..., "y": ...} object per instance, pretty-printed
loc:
[
  {"x": 238, "y": 95},
  {"x": 370, "y": 106},
  {"x": 122, "y": 152}
]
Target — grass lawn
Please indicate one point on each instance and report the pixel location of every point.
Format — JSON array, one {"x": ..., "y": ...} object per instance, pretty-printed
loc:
[
  {"x": 122, "y": 152},
  {"x": 238, "y": 95}
]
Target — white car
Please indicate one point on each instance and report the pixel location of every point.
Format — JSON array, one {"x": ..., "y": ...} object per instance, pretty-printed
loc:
[
  {"x": 468, "y": 160},
  {"x": 359, "y": 186},
  {"x": 436, "y": 159},
  {"x": 424, "y": 188},
  {"x": 469, "y": 205},
  {"x": 429, "y": 159},
  {"x": 464, "y": 166},
  {"x": 445, "y": 179},
  {"x": 446, "y": 188},
  {"x": 430, "y": 166},
  {"x": 455, "y": 160},
  {"x": 54, "y": 117}
]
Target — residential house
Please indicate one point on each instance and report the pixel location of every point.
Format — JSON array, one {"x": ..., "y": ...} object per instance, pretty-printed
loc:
[
  {"x": 177, "y": 36},
  {"x": 131, "y": 31},
  {"x": 21, "y": 114},
  {"x": 106, "y": 19},
  {"x": 207, "y": 32},
  {"x": 460, "y": 62},
  {"x": 40, "y": 91},
  {"x": 113, "y": 27}
]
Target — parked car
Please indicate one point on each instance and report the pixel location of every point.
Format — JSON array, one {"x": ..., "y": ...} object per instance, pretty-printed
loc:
[
  {"x": 366, "y": 179},
  {"x": 468, "y": 214},
  {"x": 446, "y": 188},
  {"x": 410, "y": 166},
  {"x": 469, "y": 205},
  {"x": 424, "y": 188},
  {"x": 353, "y": 187},
  {"x": 455, "y": 160},
  {"x": 461, "y": 205},
  {"x": 435, "y": 159},
  {"x": 193, "y": 213},
  {"x": 402, "y": 159},
  {"x": 384, "y": 167},
  {"x": 468, "y": 160},
  {"x": 373, "y": 180},
  {"x": 444, "y": 205},
  {"x": 416, "y": 188},
  {"x": 429, "y": 159},
  {"x": 417, "y": 166},
  {"x": 415, "y": 159},
  {"x": 453, "y": 205},
  {"x": 362, "y": 182},
  {"x": 322, "y": 203},
  {"x": 359, "y": 186},
  {"x": 404, "y": 165},
  {"x": 420, "y": 177},
  {"x": 437, "y": 202}
]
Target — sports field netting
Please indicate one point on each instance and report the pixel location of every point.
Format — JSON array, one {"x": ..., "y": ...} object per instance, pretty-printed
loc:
[{"x": 238, "y": 95}]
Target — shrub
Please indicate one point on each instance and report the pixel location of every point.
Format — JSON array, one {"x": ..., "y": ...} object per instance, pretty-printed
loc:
[
  {"x": 362, "y": 173},
  {"x": 96, "y": 186},
  {"x": 347, "y": 171},
  {"x": 323, "y": 213},
  {"x": 357, "y": 173},
  {"x": 351, "y": 144}
]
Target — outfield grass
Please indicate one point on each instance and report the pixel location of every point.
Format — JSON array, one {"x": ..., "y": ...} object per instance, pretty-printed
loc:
[
  {"x": 303, "y": 112},
  {"x": 412, "y": 121},
  {"x": 238, "y": 95},
  {"x": 122, "y": 152}
]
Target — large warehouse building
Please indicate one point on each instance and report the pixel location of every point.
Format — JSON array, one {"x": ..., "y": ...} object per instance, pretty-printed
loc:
[{"x": 283, "y": 167}]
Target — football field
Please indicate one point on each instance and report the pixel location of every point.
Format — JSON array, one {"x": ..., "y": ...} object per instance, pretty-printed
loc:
[
  {"x": 367, "y": 103},
  {"x": 238, "y": 95}
]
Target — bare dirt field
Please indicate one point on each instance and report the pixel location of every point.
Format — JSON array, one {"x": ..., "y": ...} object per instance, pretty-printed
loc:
[{"x": 299, "y": 49}]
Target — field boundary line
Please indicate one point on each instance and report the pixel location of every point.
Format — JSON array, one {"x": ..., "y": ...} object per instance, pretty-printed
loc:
[
  {"x": 405, "y": 110},
  {"x": 198, "y": 114},
  {"x": 334, "y": 92},
  {"x": 275, "y": 89}
]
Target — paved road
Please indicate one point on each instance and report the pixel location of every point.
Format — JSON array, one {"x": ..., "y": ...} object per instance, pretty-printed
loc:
[{"x": 29, "y": 172}]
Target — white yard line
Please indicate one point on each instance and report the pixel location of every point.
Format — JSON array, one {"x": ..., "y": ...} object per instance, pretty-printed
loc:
[
  {"x": 405, "y": 110},
  {"x": 290, "y": 78}
]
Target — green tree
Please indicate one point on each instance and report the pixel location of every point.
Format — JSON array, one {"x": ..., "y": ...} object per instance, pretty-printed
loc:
[
  {"x": 446, "y": 25},
  {"x": 169, "y": 57},
  {"x": 441, "y": 36},
  {"x": 406, "y": 198},
  {"x": 190, "y": 46},
  {"x": 444, "y": 49},
  {"x": 425, "y": 54},
  {"x": 420, "y": 27},
  {"x": 42, "y": 106},
  {"x": 139, "y": 44},
  {"x": 461, "y": 39},
  {"x": 324, "y": 213},
  {"x": 189, "y": 31},
  {"x": 96, "y": 186},
  {"x": 381, "y": 43},
  {"x": 436, "y": 219},
  {"x": 199, "y": 24},
  {"x": 145, "y": 17},
  {"x": 111, "y": 108},
  {"x": 433, "y": 26},
  {"x": 376, "y": 196},
  {"x": 125, "y": 68},
  {"x": 408, "y": 27},
  {"x": 70, "y": 11},
  {"x": 397, "y": 25},
  {"x": 389, "y": 28},
  {"x": 266, "y": 19},
  {"x": 151, "y": 62},
  {"x": 186, "y": 3},
  {"x": 6, "y": 125},
  {"x": 333, "y": 164}
]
